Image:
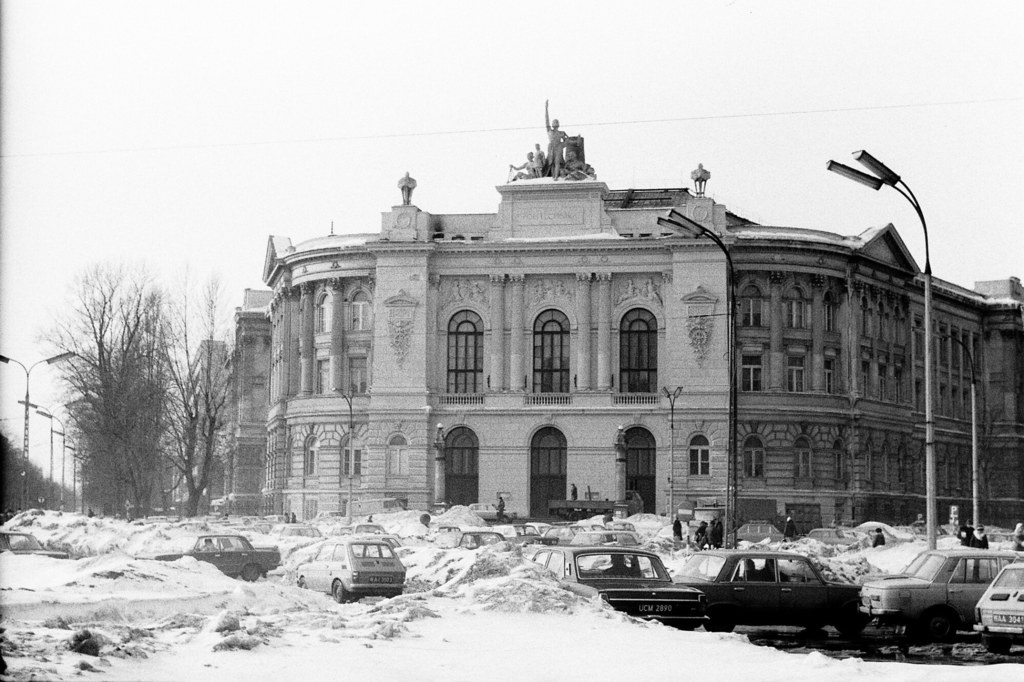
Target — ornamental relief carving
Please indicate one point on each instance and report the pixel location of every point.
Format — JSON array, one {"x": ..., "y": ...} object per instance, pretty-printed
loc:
[
  {"x": 463, "y": 290},
  {"x": 641, "y": 289},
  {"x": 548, "y": 289},
  {"x": 401, "y": 309},
  {"x": 700, "y": 321}
]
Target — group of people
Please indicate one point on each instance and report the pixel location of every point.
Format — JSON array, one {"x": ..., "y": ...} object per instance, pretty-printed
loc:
[{"x": 707, "y": 536}]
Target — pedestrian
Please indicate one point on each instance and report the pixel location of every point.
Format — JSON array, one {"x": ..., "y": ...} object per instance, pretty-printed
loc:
[
  {"x": 700, "y": 537},
  {"x": 677, "y": 530},
  {"x": 293, "y": 519},
  {"x": 964, "y": 534},
  {"x": 573, "y": 493},
  {"x": 879, "y": 539},
  {"x": 790, "y": 531},
  {"x": 1018, "y": 538},
  {"x": 90, "y": 514},
  {"x": 717, "y": 533},
  {"x": 501, "y": 509},
  {"x": 978, "y": 538}
]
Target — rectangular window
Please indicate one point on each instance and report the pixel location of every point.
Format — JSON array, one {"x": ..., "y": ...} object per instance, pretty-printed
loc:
[
  {"x": 802, "y": 463},
  {"x": 323, "y": 376},
  {"x": 897, "y": 384},
  {"x": 700, "y": 460},
  {"x": 751, "y": 373},
  {"x": 919, "y": 395},
  {"x": 753, "y": 462},
  {"x": 750, "y": 312},
  {"x": 795, "y": 313},
  {"x": 356, "y": 375},
  {"x": 865, "y": 374},
  {"x": 352, "y": 462},
  {"x": 830, "y": 375},
  {"x": 398, "y": 460},
  {"x": 360, "y": 315},
  {"x": 795, "y": 373}
]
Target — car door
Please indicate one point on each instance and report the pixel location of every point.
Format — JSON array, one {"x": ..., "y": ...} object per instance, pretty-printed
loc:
[
  {"x": 315, "y": 570},
  {"x": 970, "y": 579},
  {"x": 803, "y": 597},
  {"x": 755, "y": 589}
]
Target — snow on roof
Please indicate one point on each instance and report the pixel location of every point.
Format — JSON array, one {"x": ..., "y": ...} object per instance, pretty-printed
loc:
[{"x": 335, "y": 241}]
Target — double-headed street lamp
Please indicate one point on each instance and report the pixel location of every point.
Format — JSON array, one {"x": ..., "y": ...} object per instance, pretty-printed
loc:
[
  {"x": 43, "y": 412},
  {"x": 883, "y": 175},
  {"x": 975, "y": 503},
  {"x": 678, "y": 221},
  {"x": 28, "y": 373}
]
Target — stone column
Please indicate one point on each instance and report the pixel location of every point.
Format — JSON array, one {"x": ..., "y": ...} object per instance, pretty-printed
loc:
[
  {"x": 604, "y": 336},
  {"x": 498, "y": 333},
  {"x": 337, "y": 336},
  {"x": 515, "y": 325},
  {"x": 583, "y": 331},
  {"x": 307, "y": 352},
  {"x": 777, "y": 355},
  {"x": 818, "y": 283},
  {"x": 291, "y": 341}
]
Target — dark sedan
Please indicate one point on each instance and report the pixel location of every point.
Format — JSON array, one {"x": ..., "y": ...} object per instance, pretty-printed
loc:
[
  {"x": 631, "y": 580},
  {"x": 23, "y": 543},
  {"x": 770, "y": 588}
]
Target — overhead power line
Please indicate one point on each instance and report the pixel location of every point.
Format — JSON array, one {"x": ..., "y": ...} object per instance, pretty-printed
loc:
[{"x": 477, "y": 131}]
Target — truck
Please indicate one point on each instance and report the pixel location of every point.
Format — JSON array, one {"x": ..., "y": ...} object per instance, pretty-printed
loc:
[{"x": 581, "y": 509}]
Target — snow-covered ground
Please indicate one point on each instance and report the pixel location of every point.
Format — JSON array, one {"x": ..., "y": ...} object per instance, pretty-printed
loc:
[{"x": 466, "y": 615}]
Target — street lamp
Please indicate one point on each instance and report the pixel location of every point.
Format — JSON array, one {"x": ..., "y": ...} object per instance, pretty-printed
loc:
[
  {"x": 63, "y": 437},
  {"x": 349, "y": 461},
  {"x": 28, "y": 373},
  {"x": 976, "y": 504},
  {"x": 672, "y": 447},
  {"x": 883, "y": 175},
  {"x": 678, "y": 221},
  {"x": 620, "y": 469},
  {"x": 439, "y": 466}
]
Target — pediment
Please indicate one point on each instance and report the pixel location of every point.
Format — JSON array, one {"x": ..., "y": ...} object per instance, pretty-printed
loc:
[
  {"x": 886, "y": 246},
  {"x": 401, "y": 300},
  {"x": 699, "y": 295},
  {"x": 277, "y": 247}
]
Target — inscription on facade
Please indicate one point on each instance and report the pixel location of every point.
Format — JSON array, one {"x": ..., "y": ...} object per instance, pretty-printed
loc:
[{"x": 548, "y": 215}]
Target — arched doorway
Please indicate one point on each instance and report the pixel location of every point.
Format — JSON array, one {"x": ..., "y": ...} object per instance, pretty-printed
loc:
[
  {"x": 547, "y": 469},
  {"x": 461, "y": 468},
  {"x": 641, "y": 459}
]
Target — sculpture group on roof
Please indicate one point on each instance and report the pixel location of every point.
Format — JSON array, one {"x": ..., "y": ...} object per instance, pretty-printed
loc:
[{"x": 564, "y": 160}]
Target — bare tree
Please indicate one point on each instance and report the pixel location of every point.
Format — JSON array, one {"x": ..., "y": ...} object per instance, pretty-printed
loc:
[
  {"x": 196, "y": 352},
  {"x": 116, "y": 381}
]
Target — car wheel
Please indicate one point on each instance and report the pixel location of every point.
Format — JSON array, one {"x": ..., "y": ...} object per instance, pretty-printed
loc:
[
  {"x": 720, "y": 620},
  {"x": 251, "y": 573},
  {"x": 939, "y": 626},
  {"x": 338, "y": 591},
  {"x": 996, "y": 645},
  {"x": 852, "y": 622}
]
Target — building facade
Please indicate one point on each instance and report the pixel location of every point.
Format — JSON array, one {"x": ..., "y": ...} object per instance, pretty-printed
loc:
[{"x": 467, "y": 356}]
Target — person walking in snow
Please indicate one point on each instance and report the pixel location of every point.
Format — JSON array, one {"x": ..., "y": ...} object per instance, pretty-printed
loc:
[
  {"x": 879, "y": 539},
  {"x": 978, "y": 538},
  {"x": 700, "y": 537},
  {"x": 790, "y": 531},
  {"x": 677, "y": 531},
  {"x": 717, "y": 534},
  {"x": 501, "y": 509},
  {"x": 1018, "y": 538}
]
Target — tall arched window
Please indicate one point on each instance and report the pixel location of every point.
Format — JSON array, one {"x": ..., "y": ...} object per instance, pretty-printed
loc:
[
  {"x": 751, "y": 307},
  {"x": 753, "y": 457},
  {"x": 883, "y": 322},
  {"x": 829, "y": 302},
  {"x": 551, "y": 353},
  {"x": 638, "y": 352},
  {"x": 802, "y": 458},
  {"x": 361, "y": 318},
  {"x": 462, "y": 456},
  {"x": 309, "y": 455},
  {"x": 796, "y": 308},
  {"x": 700, "y": 456},
  {"x": 323, "y": 313},
  {"x": 398, "y": 456},
  {"x": 547, "y": 469},
  {"x": 465, "y": 352}
]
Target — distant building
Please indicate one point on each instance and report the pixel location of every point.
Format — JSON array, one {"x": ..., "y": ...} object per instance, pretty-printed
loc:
[{"x": 532, "y": 333}]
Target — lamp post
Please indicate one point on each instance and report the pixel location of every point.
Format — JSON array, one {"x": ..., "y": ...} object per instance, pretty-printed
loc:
[
  {"x": 620, "y": 468},
  {"x": 348, "y": 461},
  {"x": 975, "y": 497},
  {"x": 678, "y": 221},
  {"x": 439, "y": 466},
  {"x": 672, "y": 447},
  {"x": 883, "y": 175},
  {"x": 28, "y": 373},
  {"x": 74, "y": 491},
  {"x": 63, "y": 430}
]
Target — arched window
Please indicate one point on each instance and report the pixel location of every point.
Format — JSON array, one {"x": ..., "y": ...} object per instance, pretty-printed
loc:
[
  {"x": 361, "y": 318},
  {"x": 462, "y": 456},
  {"x": 323, "y": 313},
  {"x": 796, "y": 308},
  {"x": 638, "y": 352},
  {"x": 398, "y": 457},
  {"x": 829, "y": 311},
  {"x": 700, "y": 456},
  {"x": 802, "y": 458},
  {"x": 465, "y": 353},
  {"x": 309, "y": 455},
  {"x": 551, "y": 353},
  {"x": 753, "y": 457},
  {"x": 883, "y": 322},
  {"x": 751, "y": 307}
]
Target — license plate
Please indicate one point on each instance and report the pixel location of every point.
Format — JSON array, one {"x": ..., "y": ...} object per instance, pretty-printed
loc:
[
  {"x": 381, "y": 579},
  {"x": 1008, "y": 618}
]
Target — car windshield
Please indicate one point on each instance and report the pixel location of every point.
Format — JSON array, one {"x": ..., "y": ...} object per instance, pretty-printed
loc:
[
  {"x": 925, "y": 566},
  {"x": 703, "y": 567},
  {"x": 374, "y": 550},
  {"x": 1010, "y": 579},
  {"x": 23, "y": 543},
  {"x": 620, "y": 566}
]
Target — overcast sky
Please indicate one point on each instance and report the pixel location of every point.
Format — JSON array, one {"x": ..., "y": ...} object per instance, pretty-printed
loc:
[{"x": 185, "y": 133}]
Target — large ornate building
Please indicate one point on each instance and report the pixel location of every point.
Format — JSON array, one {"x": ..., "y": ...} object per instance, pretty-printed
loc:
[{"x": 509, "y": 349}]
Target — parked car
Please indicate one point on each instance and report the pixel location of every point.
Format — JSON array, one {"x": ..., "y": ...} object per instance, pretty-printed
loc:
[
  {"x": 633, "y": 581},
  {"x": 295, "y": 530},
  {"x": 516, "y": 534},
  {"x": 470, "y": 539},
  {"x": 999, "y": 614},
  {"x": 843, "y": 537},
  {"x": 751, "y": 587},
  {"x": 354, "y": 567},
  {"x": 621, "y": 525},
  {"x": 536, "y": 527},
  {"x": 368, "y": 528},
  {"x": 488, "y": 512},
  {"x": 559, "y": 535},
  {"x": 232, "y": 554},
  {"x": 606, "y": 537},
  {"x": 23, "y": 543},
  {"x": 758, "y": 531},
  {"x": 937, "y": 593}
]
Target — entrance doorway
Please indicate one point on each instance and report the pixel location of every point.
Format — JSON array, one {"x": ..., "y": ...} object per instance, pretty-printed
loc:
[{"x": 547, "y": 469}]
